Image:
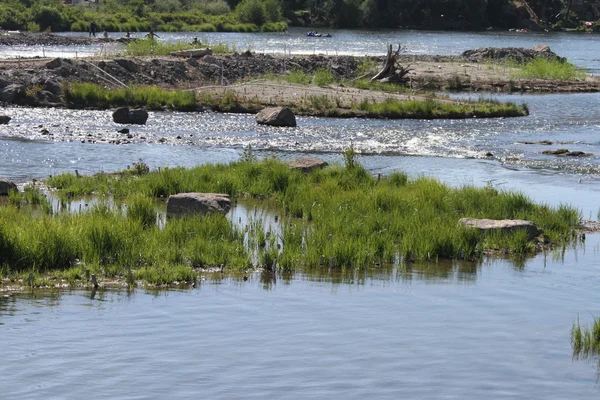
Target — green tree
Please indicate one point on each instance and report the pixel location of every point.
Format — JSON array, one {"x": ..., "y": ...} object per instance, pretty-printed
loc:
[{"x": 251, "y": 12}]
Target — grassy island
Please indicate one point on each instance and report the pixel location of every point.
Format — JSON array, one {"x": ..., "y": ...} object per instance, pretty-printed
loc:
[{"x": 339, "y": 217}]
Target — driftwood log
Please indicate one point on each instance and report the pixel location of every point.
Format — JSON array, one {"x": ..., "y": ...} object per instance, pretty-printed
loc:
[{"x": 392, "y": 70}]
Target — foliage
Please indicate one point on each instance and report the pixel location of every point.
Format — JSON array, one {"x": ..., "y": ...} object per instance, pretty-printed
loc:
[
  {"x": 542, "y": 68},
  {"x": 80, "y": 95},
  {"x": 431, "y": 108},
  {"x": 586, "y": 341},
  {"x": 355, "y": 219},
  {"x": 235, "y": 15}
]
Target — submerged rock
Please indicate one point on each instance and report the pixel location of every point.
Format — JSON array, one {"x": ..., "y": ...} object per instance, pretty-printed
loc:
[
  {"x": 307, "y": 164},
  {"x": 506, "y": 225},
  {"x": 197, "y": 203},
  {"x": 276, "y": 116},
  {"x": 6, "y": 186},
  {"x": 566, "y": 152},
  {"x": 123, "y": 115}
]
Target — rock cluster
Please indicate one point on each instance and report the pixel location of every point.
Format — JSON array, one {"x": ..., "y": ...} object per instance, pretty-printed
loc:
[{"x": 517, "y": 54}]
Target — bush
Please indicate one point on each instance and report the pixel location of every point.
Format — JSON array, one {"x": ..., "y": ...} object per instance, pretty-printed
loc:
[
  {"x": 212, "y": 7},
  {"x": 251, "y": 11}
]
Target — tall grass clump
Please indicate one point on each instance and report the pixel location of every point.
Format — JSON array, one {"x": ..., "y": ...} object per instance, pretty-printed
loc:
[
  {"x": 432, "y": 108},
  {"x": 323, "y": 77},
  {"x": 81, "y": 95},
  {"x": 586, "y": 341},
  {"x": 541, "y": 68},
  {"x": 150, "y": 47}
]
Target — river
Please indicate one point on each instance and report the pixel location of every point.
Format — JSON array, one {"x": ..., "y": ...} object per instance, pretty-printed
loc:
[{"x": 496, "y": 329}]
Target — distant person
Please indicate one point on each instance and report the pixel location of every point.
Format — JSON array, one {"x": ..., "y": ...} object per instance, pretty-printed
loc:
[
  {"x": 128, "y": 35},
  {"x": 151, "y": 35},
  {"x": 93, "y": 29},
  {"x": 196, "y": 41},
  {"x": 105, "y": 34}
]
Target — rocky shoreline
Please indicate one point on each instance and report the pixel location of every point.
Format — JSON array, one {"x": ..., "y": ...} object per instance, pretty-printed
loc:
[
  {"x": 18, "y": 38},
  {"x": 39, "y": 82}
]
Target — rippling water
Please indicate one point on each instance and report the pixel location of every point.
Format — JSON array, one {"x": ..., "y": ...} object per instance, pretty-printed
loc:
[
  {"x": 581, "y": 49},
  {"x": 494, "y": 330}
]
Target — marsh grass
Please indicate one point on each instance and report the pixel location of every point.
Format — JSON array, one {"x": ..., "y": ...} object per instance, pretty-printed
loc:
[
  {"x": 586, "y": 341},
  {"x": 148, "y": 47},
  {"x": 341, "y": 215},
  {"x": 82, "y": 95},
  {"x": 323, "y": 77},
  {"x": 541, "y": 68},
  {"x": 436, "y": 108}
]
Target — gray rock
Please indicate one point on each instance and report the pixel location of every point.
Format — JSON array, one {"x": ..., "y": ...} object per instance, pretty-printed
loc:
[
  {"x": 129, "y": 65},
  {"x": 307, "y": 164},
  {"x": 210, "y": 59},
  {"x": 4, "y": 119},
  {"x": 197, "y": 203},
  {"x": 541, "y": 47},
  {"x": 53, "y": 86},
  {"x": 566, "y": 152},
  {"x": 138, "y": 116},
  {"x": 276, "y": 116},
  {"x": 53, "y": 64},
  {"x": 123, "y": 115},
  {"x": 6, "y": 186},
  {"x": 12, "y": 92},
  {"x": 506, "y": 225}
]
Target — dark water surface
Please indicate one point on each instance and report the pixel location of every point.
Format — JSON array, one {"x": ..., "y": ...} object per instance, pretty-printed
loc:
[{"x": 463, "y": 331}]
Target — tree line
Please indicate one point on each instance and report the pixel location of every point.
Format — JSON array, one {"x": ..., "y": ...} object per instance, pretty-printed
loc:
[{"x": 275, "y": 15}]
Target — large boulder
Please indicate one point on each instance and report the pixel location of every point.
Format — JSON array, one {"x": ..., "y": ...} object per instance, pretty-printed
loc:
[
  {"x": 276, "y": 116},
  {"x": 6, "y": 186},
  {"x": 505, "y": 225},
  {"x": 123, "y": 115},
  {"x": 307, "y": 164},
  {"x": 197, "y": 203},
  {"x": 4, "y": 119}
]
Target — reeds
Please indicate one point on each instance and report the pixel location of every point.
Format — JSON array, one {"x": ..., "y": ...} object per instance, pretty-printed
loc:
[
  {"x": 586, "y": 341},
  {"x": 341, "y": 215},
  {"x": 150, "y": 47},
  {"x": 541, "y": 68},
  {"x": 82, "y": 95},
  {"x": 440, "y": 108}
]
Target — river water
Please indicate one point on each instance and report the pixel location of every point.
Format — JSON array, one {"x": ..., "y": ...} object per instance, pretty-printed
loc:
[{"x": 496, "y": 329}]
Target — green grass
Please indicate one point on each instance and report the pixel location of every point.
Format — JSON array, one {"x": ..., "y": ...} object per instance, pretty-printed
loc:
[
  {"x": 148, "y": 47},
  {"x": 542, "y": 68},
  {"x": 356, "y": 220},
  {"x": 586, "y": 341},
  {"x": 434, "y": 108},
  {"x": 82, "y": 95}
]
